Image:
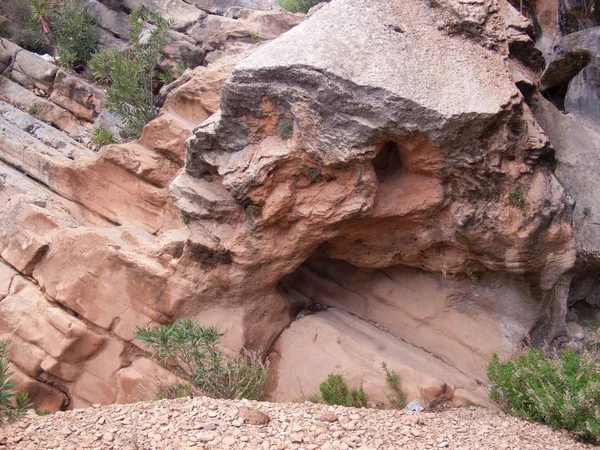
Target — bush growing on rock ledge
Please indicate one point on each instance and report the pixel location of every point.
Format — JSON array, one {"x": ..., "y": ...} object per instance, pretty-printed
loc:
[
  {"x": 194, "y": 351},
  {"x": 132, "y": 74},
  {"x": 299, "y": 5},
  {"x": 562, "y": 391}
]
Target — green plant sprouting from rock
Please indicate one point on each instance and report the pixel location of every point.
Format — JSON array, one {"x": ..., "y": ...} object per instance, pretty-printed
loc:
[
  {"x": 397, "y": 397},
  {"x": 131, "y": 74},
  {"x": 12, "y": 406},
  {"x": 194, "y": 351},
  {"x": 562, "y": 391},
  {"x": 75, "y": 34},
  {"x": 64, "y": 28},
  {"x": 517, "y": 198},
  {"x": 335, "y": 392},
  {"x": 299, "y": 5},
  {"x": 103, "y": 136}
]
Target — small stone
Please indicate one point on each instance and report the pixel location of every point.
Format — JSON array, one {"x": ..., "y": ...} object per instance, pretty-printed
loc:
[
  {"x": 108, "y": 437},
  {"x": 205, "y": 437},
  {"x": 238, "y": 422},
  {"x": 296, "y": 438},
  {"x": 66, "y": 431},
  {"x": 328, "y": 417},
  {"x": 210, "y": 426},
  {"x": 253, "y": 416},
  {"x": 443, "y": 444},
  {"x": 228, "y": 440}
]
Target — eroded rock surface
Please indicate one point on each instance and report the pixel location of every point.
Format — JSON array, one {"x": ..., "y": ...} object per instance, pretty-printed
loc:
[
  {"x": 91, "y": 244},
  {"x": 342, "y": 135},
  {"x": 378, "y": 159}
]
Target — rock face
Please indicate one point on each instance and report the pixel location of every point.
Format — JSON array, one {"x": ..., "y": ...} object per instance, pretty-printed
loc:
[
  {"x": 342, "y": 136},
  {"x": 91, "y": 245},
  {"x": 376, "y": 166}
]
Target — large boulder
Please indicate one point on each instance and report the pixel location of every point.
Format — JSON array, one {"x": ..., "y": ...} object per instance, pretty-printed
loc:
[
  {"x": 114, "y": 21},
  {"x": 221, "y": 6},
  {"x": 573, "y": 74},
  {"x": 179, "y": 12},
  {"x": 387, "y": 135},
  {"x": 77, "y": 96},
  {"x": 577, "y": 145},
  {"x": 28, "y": 69}
]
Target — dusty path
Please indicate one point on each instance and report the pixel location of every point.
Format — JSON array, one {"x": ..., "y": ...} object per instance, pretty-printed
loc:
[{"x": 204, "y": 423}]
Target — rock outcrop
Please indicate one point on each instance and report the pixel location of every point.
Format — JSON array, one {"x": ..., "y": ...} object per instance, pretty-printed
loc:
[
  {"x": 342, "y": 136},
  {"x": 90, "y": 242},
  {"x": 370, "y": 186}
]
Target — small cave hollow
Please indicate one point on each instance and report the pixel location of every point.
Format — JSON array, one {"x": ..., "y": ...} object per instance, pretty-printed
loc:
[{"x": 387, "y": 163}]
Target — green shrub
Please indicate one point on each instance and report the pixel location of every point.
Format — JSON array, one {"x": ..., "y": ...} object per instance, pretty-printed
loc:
[
  {"x": 299, "y": 5},
  {"x": 103, "y": 136},
  {"x": 12, "y": 406},
  {"x": 194, "y": 352},
  {"x": 397, "y": 398},
  {"x": 61, "y": 27},
  {"x": 335, "y": 392},
  {"x": 74, "y": 32},
  {"x": 562, "y": 391},
  {"x": 131, "y": 75}
]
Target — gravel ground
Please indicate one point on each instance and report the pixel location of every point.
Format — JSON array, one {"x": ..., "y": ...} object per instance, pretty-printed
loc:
[{"x": 204, "y": 423}]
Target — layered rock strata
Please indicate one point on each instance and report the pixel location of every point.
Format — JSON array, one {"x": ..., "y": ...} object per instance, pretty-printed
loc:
[
  {"x": 376, "y": 167},
  {"x": 90, "y": 243}
]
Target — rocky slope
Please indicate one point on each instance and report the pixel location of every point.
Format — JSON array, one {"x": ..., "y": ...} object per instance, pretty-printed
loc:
[
  {"x": 377, "y": 184},
  {"x": 211, "y": 424}
]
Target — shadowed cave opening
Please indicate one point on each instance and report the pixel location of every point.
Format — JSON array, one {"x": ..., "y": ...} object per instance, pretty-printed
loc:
[{"x": 387, "y": 163}]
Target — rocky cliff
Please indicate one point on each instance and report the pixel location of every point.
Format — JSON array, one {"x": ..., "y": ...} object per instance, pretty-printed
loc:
[{"x": 377, "y": 184}]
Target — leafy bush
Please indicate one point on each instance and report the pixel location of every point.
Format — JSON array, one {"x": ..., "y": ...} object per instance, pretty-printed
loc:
[
  {"x": 562, "y": 391},
  {"x": 75, "y": 35},
  {"x": 20, "y": 27},
  {"x": 103, "y": 136},
  {"x": 335, "y": 392},
  {"x": 10, "y": 410},
  {"x": 62, "y": 27},
  {"x": 299, "y": 5},
  {"x": 194, "y": 351},
  {"x": 397, "y": 398},
  {"x": 131, "y": 74}
]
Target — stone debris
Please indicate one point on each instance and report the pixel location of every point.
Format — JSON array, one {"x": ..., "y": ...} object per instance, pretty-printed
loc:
[{"x": 184, "y": 424}]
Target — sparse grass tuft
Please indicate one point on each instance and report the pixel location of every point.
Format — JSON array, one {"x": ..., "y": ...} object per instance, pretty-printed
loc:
[
  {"x": 34, "y": 111},
  {"x": 103, "y": 136},
  {"x": 397, "y": 398},
  {"x": 299, "y": 5},
  {"x": 475, "y": 276},
  {"x": 517, "y": 198}
]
